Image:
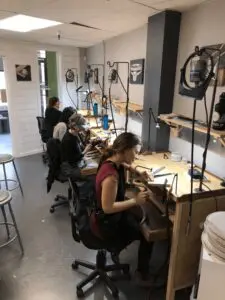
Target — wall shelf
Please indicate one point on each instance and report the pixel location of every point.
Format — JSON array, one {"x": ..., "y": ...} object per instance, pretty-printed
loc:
[
  {"x": 120, "y": 106},
  {"x": 177, "y": 122}
]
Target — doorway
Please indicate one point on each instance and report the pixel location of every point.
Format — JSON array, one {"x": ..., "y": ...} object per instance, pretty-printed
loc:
[
  {"x": 47, "y": 63},
  {"x": 5, "y": 135}
]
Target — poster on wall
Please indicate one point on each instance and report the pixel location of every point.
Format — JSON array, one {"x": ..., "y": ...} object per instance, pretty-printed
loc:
[
  {"x": 137, "y": 71},
  {"x": 23, "y": 72},
  {"x": 221, "y": 70}
]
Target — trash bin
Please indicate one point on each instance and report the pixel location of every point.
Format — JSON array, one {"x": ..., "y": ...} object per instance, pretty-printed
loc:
[
  {"x": 5, "y": 125},
  {"x": 1, "y": 126}
]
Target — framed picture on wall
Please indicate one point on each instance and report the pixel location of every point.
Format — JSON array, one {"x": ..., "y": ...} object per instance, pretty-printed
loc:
[
  {"x": 137, "y": 71},
  {"x": 23, "y": 72}
]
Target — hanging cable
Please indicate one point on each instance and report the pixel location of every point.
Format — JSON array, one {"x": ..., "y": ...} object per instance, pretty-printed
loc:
[
  {"x": 192, "y": 168},
  {"x": 210, "y": 118},
  {"x": 72, "y": 76},
  {"x": 71, "y": 99},
  {"x": 111, "y": 108},
  {"x": 90, "y": 97},
  {"x": 206, "y": 112},
  {"x": 126, "y": 90}
]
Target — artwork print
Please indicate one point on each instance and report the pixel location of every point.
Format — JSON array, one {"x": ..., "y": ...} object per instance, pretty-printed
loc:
[
  {"x": 137, "y": 71},
  {"x": 23, "y": 72}
]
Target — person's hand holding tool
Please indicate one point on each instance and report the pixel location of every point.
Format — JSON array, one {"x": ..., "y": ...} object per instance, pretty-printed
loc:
[{"x": 141, "y": 197}]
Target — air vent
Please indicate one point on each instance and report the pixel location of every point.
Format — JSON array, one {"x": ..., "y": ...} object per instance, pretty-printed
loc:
[{"x": 83, "y": 25}]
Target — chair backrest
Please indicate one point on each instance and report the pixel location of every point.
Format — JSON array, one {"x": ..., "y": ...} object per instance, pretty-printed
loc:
[
  {"x": 54, "y": 156},
  {"x": 41, "y": 123},
  {"x": 43, "y": 129},
  {"x": 80, "y": 220}
]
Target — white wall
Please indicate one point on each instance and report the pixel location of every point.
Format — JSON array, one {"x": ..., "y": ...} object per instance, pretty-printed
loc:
[
  {"x": 202, "y": 26},
  {"x": 126, "y": 47},
  {"x": 24, "y": 97}
]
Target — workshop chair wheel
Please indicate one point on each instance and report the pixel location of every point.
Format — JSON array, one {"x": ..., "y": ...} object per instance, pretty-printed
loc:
[
  {"x": 74, "y": 265},
  {"x": 52, "y": 210},
  {"x": 115, "y": 295},
  {"x": 126, "y": 270},
  {"x": 80, "y": 293},
  {"x": 56, "y": 199}
]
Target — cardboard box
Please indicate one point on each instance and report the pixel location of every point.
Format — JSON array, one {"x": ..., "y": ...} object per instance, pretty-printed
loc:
[{"x": 3, "y": 97}]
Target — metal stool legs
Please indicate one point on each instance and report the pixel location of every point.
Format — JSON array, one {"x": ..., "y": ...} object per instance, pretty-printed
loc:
[
  {"x": 16, "y": 228},
  {"x": 13, "y": 224},
  {"x": 5, "y": 220},
  {"x": 17, "y": 176},
  {"x": 6, "y": 180},
  {"x": 5, "y": 176}
]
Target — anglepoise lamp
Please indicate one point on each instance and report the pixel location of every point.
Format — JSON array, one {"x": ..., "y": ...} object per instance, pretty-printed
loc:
[{"x": 202, "y": 63}]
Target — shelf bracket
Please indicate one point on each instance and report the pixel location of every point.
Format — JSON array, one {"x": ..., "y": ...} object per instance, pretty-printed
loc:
[{"x": 222, "y": 140}]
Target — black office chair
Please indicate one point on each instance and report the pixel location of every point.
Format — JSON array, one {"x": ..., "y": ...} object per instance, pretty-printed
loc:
[
  {"x": 80, "y": 221},
  {"x": 44, "y": 138},
  {"x": 54, "y": 173}
]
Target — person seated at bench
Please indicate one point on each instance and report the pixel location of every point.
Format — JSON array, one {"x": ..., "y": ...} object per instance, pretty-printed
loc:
[
  {"x": 61, "y": 128},
  {"x": 52, "y": 115},
  {"x": 113, "y": 220},
  {"x": 73, "y": 151}
]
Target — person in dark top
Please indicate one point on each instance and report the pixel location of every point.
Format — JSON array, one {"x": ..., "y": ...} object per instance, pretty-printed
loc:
[
  {"x": 72, "y": 154},
  {"x": 52, "y": 115},
  {"x": 114, "y": 221},
  {"x": 72, "y": 148},
  {"x": 61, "y": 128}
]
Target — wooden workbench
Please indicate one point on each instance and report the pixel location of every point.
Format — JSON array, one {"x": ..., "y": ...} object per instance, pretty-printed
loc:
[
  {"x": 185, "y": 248},
  {"x": 91, "y": 167}
]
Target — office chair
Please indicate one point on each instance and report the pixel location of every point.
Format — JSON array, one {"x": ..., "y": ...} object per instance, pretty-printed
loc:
[
  {"x": 81, "y": 231},
  {"x": 44, "y": 139},
  {"x": 54, "y": 173}
]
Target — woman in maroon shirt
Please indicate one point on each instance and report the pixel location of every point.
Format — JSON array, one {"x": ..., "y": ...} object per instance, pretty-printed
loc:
[{"x": 114, "y": 222}]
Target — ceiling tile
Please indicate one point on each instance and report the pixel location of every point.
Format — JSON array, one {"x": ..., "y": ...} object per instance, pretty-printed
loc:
[
  {"x": 181, "y": 5},
  {"x": 23, "y": 5},
  {"x": 112, "y": 17}
]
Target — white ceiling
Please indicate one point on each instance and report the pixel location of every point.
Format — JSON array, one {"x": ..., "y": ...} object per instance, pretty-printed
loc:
[{"x": 111, "y": 17}]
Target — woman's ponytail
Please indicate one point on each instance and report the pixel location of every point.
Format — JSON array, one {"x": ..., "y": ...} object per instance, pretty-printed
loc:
[{"x": 108, "y": 152}]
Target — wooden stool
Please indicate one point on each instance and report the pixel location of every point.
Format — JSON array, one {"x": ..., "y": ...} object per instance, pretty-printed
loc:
[
  {"x": 5, "y": 159},
  {"x": 5, "y": 199}
]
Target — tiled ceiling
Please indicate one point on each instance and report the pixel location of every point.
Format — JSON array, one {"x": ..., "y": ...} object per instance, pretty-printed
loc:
[{"x": 110, "y": 17}]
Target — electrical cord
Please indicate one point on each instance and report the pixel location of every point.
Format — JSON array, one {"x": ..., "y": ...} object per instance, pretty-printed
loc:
[
  {"x": 216, "y": 200},
  {"x": 125, "y": 90},
  {"x": 192, "y": 168},
  {"x": 75, "y": 79},
  {"x": 111, "y": 108},
  {"x": 206, "y": 112},
  {"x": 90, "y": 96},
  {"x": 208, "y": 136},
  {"x": 71, "y": 99},
  {"x": 127, "y": 102}
]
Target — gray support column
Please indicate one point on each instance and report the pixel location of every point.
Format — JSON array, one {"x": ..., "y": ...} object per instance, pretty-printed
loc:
[{"x": 161, "y": 60}]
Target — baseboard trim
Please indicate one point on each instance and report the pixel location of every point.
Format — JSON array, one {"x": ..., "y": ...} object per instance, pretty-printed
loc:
[{"x": 36, "y": 151}]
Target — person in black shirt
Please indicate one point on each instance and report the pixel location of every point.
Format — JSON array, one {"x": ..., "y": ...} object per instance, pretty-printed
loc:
[
  {"x": 52, "y": 115},
  {"x": 72, "y": 154},
  {"x": 72, "y": 149}
]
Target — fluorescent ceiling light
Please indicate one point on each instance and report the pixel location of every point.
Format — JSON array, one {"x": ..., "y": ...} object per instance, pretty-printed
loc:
[{"x": 22, "y": 23}]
